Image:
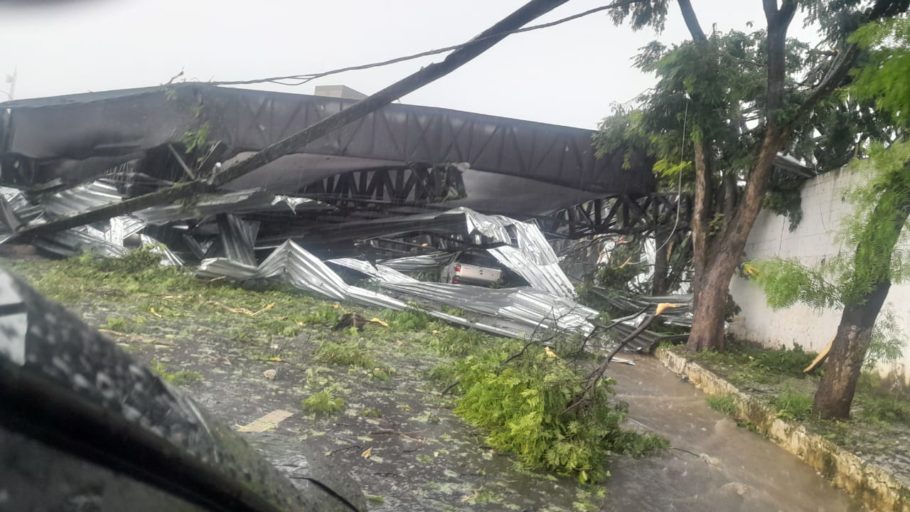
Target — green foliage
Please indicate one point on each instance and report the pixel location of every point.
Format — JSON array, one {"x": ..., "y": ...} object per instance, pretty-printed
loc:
[
  {"x": 782, "y": 361},
  {"x": 349, "y": 353},
  {"x": 522, "y": 406},
  {"x": 724, "y": 404},
  {"x": 197, "y": 138},
  {"x": 150, "y": 293},
  {"x": 622, "y": 270},
  {"x": 136, "y": 260},
  {"x": 792, "y": 405},
  {"x": 887, "y": 344},
  {"x": 454, "y": 341},
  {"x": 786, "y": 282},
  {"x": 324, "y": 313},
  {"x": 641, "y": 14},
  {"x": 407, "y": 320},
  {"x": 885, "y": 409},
  {"x": 786, "y": 199},
  {"x": 179, "y": 378},
  {"x": 883, "y": 78},
  {"x": 322, "y": 403}
]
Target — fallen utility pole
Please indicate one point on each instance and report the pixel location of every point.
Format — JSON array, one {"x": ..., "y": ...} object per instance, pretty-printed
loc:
[{"x": 370, "y": 104}]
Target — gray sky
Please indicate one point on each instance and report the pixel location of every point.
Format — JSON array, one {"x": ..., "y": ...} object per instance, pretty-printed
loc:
[{"x": 569, "y": 74}]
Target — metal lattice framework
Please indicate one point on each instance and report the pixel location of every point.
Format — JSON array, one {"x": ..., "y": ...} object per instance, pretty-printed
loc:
[
  {"x": 621, "y": 214},
  {"x": 417, "y": 184}
]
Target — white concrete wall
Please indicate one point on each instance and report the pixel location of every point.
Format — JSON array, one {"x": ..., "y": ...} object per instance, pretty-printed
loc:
[{"x": 817, "y": 237}]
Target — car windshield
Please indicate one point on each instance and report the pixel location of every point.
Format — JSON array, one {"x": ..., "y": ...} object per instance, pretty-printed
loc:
[{"x": 539, "y": 255}]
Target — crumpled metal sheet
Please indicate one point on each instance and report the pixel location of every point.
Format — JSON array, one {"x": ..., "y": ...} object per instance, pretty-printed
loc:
[
  {"x": 526, "y": 306},
  {"x": 254, "y": 199},
  {"x": 293, "y": 264},
  {"x": 121, "y": 228},
  {"x": 238, "y": 238},
  {"x": 79, "y": 199},
  {"x": 168, "y": 257},
  {"x": 679, "y": 315},
  {"x": 523, "y": 250},
  {"x": 74, "y": 241},
  {"x": 420, "y": 262},
  {"x": 526, "y": 251}
]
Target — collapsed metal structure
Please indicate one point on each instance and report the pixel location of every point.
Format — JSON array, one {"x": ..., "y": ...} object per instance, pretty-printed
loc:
[{"x": 403, "y": 189}]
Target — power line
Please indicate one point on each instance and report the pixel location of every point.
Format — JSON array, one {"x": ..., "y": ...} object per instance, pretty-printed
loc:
[{"x": 296, "y": 80}]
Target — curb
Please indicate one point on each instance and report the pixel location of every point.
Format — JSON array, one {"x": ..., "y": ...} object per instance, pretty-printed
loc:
[{"x": 875, "y": 487}]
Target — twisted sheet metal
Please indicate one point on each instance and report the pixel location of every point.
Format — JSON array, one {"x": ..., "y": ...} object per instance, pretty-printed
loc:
[
  {"x": 79, "y": 199},
  {"x": 420, "y": 262},
  {"x": 525, "y": 251},
  {"x": 525, "y": 306},
  {"x": 293, "y": 264},
  {"x": 249, "y": 200}
]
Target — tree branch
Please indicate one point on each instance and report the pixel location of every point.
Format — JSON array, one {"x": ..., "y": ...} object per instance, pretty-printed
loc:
[
  {"x": 688, "y": 14},
  {"x": 841, "y": 64}
]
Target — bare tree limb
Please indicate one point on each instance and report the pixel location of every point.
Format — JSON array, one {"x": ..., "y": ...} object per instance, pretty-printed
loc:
[{"x": 688, "y": 14}]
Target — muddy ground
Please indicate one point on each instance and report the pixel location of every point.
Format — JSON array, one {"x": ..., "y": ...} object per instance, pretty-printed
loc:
[{"x": 397, "y": 435}]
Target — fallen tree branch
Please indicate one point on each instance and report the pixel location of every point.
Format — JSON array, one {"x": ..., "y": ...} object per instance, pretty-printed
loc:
[{"x": 598, "y": 372}]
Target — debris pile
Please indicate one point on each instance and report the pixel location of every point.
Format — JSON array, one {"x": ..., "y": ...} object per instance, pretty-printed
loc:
[{"x": 384, "y": 212}]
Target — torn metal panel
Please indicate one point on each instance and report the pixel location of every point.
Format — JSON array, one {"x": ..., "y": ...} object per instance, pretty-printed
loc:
[
  {"x": 237, "y": 238},
  {"x": 420, "y": 262},
  {"x": 522, "y": 248},
  {"x": 199, "y": 248},
  {"x": 168, "y": 257},
  {"x": 74, "y": 241},
  {"x": 121, "y": 228},
  {"x": 525, "y": 306},
  {"x": 293, "y": 264},
  {"x": 680, "y": 315},
  {"x": 525, "y": 251},
  {"x": 243, "y": 201},
  {"x": 80, "y": 199}
]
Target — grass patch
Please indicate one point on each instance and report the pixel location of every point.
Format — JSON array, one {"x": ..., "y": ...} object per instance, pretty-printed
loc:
[
  {"x": 745, "y": 364},
  {"x": 407, "y": 320},
  {"x": 322, "y": 403},
  {"x": 792, "y": 405},
  {"x": 147, "y": 293},
  {"x": 883, "y": 409},
  {"x": 345, "y": 354},
  {"x": 724, "y": 404},
  {"x": 124, "y": 325},
  {"x": 179, "y": 378}
]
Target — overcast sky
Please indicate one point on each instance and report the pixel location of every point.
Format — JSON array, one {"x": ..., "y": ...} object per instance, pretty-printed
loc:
[{"x": 570, "y": 74}]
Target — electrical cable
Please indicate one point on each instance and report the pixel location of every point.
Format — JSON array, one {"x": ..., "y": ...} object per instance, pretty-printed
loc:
[
  {"x": 682, "y": 154},
  {"x": 297, "y": 80}
]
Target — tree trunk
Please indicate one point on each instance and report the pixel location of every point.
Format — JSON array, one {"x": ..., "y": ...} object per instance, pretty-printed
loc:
[
  {"x": 873, "y": 257},
  {"x": 700, "y": 217},
  {"x": 838, "y": 384},
  {"x": 723, "y": 255},
  {"x": 729, "y": 204}
]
